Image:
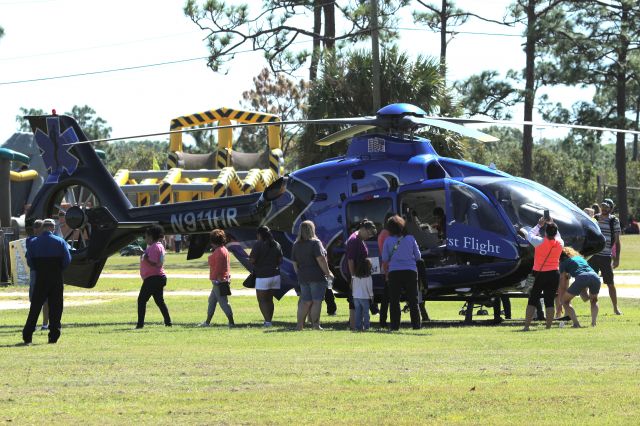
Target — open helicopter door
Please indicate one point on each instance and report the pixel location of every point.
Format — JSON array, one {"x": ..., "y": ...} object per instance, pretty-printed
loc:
[
  {"x": 474, "y": 225},
  {"x": 374, "y": 206}
]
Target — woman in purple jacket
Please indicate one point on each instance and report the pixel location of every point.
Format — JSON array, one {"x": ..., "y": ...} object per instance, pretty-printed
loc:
[{"x": 400, "y": 254}]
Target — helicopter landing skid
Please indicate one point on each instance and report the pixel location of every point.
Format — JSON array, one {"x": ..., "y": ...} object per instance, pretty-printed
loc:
[{"x": 472, "y": 304}]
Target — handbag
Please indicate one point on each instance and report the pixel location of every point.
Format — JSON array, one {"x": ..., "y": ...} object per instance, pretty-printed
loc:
[
  {"x": 225, "y": 288},
  {"x": 250, "y": 281}
]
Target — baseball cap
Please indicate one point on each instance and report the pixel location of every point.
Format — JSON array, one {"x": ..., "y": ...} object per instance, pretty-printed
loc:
[
  {"x": 608, "y": 202},
  {"x": 48, "y": 222}
]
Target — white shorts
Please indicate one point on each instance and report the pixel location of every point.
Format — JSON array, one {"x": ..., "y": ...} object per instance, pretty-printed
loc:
[{"x": 271, "y": 283}]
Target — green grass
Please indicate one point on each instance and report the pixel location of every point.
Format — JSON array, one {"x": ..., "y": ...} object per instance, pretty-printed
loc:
[
  {"x": 630, "y": 249},
  {"x": 103, "y": 372}
]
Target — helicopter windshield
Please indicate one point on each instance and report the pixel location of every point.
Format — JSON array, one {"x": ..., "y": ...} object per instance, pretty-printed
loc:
[{"x": 524, "y": 204}]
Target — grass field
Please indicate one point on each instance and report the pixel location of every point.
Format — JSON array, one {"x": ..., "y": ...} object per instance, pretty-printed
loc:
[
  {"x": 630, "y": 258},
  {"x": 104, "y": 372}
]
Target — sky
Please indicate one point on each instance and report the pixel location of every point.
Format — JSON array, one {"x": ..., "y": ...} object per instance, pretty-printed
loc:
[{"x": 51, "y": 38}]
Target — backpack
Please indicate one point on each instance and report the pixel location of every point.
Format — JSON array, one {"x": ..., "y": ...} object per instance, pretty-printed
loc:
[{"x": 612, "y": 226}]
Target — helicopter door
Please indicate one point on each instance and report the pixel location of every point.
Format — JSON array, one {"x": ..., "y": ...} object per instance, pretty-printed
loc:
[
  {"x": 373, "y": 207},
  {"x": 473, "y": 225}
]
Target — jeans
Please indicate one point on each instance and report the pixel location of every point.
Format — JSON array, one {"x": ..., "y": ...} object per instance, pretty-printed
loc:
[
  {"x": 362, "y": 313},
  {"x": 214, "y": 298},
  {"x": 153, "y": 286}
]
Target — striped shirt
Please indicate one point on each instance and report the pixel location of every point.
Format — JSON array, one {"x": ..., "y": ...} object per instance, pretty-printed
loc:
[{"x": 605, "y": 228}]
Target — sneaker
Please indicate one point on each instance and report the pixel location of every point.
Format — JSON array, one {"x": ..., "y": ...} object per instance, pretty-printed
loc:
[
  {"x": 168, "y": 325},
  {"x": 44, "y": 327},
  {"x": 138, "y": 327},
  {"x": 204, "y": 324},
  {"x": 332, "y": 314},
  {"x": 267, "y": 324}
]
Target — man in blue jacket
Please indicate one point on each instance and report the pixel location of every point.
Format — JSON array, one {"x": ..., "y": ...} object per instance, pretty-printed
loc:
[{"x": 49, "y": 255}]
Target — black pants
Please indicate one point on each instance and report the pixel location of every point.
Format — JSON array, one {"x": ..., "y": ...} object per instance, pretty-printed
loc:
[
  {"x": 40, "y": 295},
  {"x": 407, "y": 281},
  {"x": 384, "y": 305},
  {"x": 506, "y": 304},
  {"x": 545, "y": 285},
  {"x": 153, "y": 286},
  {"x": 330, "y": 300},
  {"x": 48, "y": 286}
]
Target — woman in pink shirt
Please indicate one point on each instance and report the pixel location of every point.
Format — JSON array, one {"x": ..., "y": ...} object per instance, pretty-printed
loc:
[
  {"x": 153, "y": 276},
  {"x": 220, "y": 276}
]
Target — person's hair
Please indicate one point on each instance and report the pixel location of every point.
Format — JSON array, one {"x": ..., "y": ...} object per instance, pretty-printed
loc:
[
  {"x": 363, "y": 269},
  {"x": 395, "y": 225},
  {"x": 307, "y": 231},
  {"x": 551, "y": 230},
  {"x": 218, "y": 237},
  {"x": 155, "y": 232},
  {"x": 367, "y": 224},
  {"x": 568, "y": 252},
  {"x": 596, "y": 208},
  {"x": 265, "y": 235},
  {"x": 37, "y": 224}
]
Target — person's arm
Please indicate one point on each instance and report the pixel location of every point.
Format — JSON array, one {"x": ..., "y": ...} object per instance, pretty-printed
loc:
[
  {"x": 321, "y": 258},
  {"x": 534, "y": 236},
  {"x": 562, "y": 288},
  {"x": 66, "y": 255},
  {"x": 616, "y": 241},
  {"x": 156, "y": 259},
  {"x": 416, "y": 251}
]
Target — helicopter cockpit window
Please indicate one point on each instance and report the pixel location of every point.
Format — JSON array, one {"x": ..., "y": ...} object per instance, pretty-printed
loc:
[
  {"x": 469, "y": 207},
  {"x": 374, "y": 210}
]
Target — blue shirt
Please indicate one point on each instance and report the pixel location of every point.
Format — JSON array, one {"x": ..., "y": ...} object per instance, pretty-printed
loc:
[
  {"x": 575, "y": 266},
  {"x": 48, "y": 245},
  {"x": 405, "y": 256}
]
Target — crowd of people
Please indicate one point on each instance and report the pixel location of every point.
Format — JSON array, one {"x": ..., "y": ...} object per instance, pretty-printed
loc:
[{"x": 554, "y": 266}]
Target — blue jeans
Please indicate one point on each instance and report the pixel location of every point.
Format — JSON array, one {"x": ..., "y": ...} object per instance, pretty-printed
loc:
[{"x": 362, "y": 313}]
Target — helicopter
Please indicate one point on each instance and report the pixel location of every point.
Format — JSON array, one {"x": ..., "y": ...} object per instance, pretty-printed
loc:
[{"x": 478, "y": 256}]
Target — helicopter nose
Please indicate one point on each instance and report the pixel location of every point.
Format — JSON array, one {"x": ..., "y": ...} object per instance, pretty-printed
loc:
[{"x": 594, "y": 242}]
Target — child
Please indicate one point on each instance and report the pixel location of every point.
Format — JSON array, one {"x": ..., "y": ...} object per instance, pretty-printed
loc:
[
  {"x": 362, "y": 291},
  {"x": 220, "y": 275},
  {"x": 153, "y": 276}
]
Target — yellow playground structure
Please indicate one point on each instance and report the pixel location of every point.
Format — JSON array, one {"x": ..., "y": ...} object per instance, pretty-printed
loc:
[{"x": 222, "y": 173}]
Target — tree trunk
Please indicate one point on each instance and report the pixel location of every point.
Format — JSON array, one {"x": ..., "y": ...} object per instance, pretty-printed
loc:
[
  {"x": 328, "y": 7},
  {"x": 315, "y": 55},
  {"x": 375, "y": 56},
  {"x": 621, "y": 107},
  {"x": 443, "y": 40},
  {"x": 529, "y": 95},
  {"x": 635, "y": 137}
]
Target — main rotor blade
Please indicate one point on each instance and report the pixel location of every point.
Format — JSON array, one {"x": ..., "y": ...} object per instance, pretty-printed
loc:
[
  {"x": 534, "y": 123},
  {"x": 341, "y": 121},
  {"x": 343, "y": 134},
  {"x": 447, "y": 125}
]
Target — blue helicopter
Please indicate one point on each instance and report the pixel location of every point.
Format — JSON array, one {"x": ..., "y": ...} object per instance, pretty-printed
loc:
[{"x": 465, "y": 216}]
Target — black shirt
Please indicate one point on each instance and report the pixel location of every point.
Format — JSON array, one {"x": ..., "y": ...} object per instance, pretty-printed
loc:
[{"x": 267, "y": 256}]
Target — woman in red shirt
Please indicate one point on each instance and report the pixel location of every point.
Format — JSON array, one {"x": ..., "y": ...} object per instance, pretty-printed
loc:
[{"x": 220, "y": 276}]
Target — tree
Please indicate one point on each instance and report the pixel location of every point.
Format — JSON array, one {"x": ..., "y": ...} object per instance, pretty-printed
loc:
[
  {"x": 344, "y": 87},
  {"x": 23, "y": 125},
  {"x": 276, "y": 27},
  {"x": 445, "y": 19},
  {"x": 280, "y": 96},
  {"x": 138, "y": 155},
  {"x": 1, "y": 32},
  {"x": 601, "y": 51},
  {"x": 485, "y": 94},
  {"x": 544, "y": 22},
  {"x": 94, "y": 127}
]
